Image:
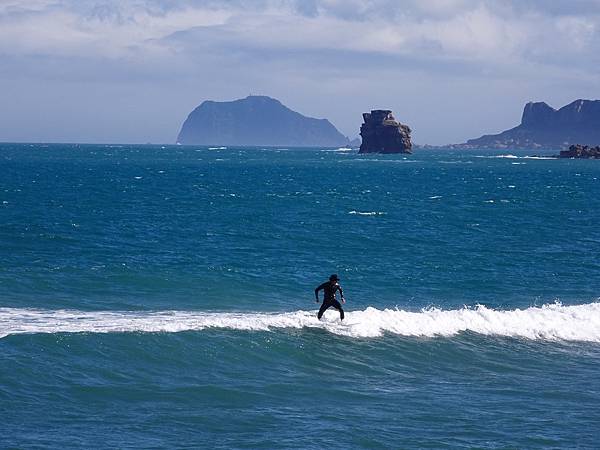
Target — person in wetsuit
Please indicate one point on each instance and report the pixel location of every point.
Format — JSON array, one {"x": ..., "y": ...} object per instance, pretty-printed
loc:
[{"x": 330, "y": 288}]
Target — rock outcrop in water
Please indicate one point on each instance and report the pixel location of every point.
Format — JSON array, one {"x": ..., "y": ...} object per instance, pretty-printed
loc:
[
  {"x": 581, "y": 151},
  {"x": 544, "y": 126},
  {"x": 382, "y": 133},
  {"x": 256, "y": 121}
]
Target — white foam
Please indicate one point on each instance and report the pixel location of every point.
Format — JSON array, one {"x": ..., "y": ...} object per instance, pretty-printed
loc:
[
  {"x": 367, "y": 213},
  {"x": 549, "y": 322},
  {"x": 341, "y": 150},
  {"x": 217, "y": 148},
  {"x": 509, "y": 156}
]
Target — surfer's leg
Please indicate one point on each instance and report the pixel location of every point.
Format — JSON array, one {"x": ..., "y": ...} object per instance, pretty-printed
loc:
[
  {"x": 322, "y": 309},
  {"x": 337, "y": 305}
]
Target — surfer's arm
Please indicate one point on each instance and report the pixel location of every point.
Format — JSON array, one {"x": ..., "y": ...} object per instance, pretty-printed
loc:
[
  {"x": 322, "y": 286},
  {"x": 341, "y": 294}
]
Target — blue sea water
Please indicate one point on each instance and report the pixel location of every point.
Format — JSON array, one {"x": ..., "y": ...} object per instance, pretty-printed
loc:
[{"x": 162, "y": 297}]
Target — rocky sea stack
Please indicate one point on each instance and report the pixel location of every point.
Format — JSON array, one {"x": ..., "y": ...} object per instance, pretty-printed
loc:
[
  {"x": 382, "y": 133},
  {"x": 581, "y": 151},
  {"x": 543, "y": 126},
  {"x": 256, "y": 121}
]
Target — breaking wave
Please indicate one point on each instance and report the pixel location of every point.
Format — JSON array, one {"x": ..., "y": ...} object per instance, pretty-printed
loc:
[
  {"x": 367, "y": 213},
  {"x": 549, "y": 322},
  {"x": 509, "y": 156},
  {"x": 342, "y": 150}
]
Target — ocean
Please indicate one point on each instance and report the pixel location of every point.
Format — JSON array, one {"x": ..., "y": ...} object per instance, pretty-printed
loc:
[{"x": 163, "y": 297}]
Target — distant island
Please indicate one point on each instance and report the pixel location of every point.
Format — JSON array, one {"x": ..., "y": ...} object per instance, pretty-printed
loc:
[
  {"x": 382, "y": 133},
  {"x": 543, "y": 126},
  {"x": 256, "y": 121}
]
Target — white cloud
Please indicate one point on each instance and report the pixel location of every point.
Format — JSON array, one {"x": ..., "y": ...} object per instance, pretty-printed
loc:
[
  {"x": 101, "y": 31},
  {"x": 441, "y": 29}
]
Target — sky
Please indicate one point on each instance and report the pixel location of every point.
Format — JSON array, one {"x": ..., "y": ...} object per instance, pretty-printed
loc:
[{"x": 131, "y": 71}]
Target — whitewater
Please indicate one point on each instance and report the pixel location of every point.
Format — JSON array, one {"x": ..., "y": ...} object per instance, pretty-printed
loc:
[{"x": 548, "y": 322}]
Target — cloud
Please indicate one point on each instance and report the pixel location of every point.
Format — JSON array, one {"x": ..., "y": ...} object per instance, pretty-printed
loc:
[
  {"x": 359, "y": 49},
  {"x": 443, "y": 29},
  {"x": 102, "y": 30}
]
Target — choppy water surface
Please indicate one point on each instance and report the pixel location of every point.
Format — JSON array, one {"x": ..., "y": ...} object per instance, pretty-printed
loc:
[{"x": 163, "y": 297}]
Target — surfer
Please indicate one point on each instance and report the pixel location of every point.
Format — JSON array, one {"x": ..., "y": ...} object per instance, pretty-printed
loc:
[{"x": 330, "y": 288}]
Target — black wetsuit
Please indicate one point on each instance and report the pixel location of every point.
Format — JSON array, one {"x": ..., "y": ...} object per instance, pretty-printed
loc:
[{"x": 329, "y": 300}]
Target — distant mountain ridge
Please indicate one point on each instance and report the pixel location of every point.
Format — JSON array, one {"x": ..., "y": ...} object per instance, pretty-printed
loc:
[
  {"x": 543, "y": 126},
  {"x": 256, "y": 121}
]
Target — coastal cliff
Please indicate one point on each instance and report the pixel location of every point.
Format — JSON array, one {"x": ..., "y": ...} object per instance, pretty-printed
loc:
[
  {"x": 382, "y": 133},
  {"x": 256, "y": 121},
  {"x": 543, "y": 126}
]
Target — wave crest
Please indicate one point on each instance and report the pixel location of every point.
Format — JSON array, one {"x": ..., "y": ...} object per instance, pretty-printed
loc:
[{"x": 549, "y": 322}]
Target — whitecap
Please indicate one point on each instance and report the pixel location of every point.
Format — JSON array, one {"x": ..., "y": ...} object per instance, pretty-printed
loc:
[
  {"x": 549, "y": 322},
  {"x": 342, "y": 150},
  {"x": 367, "y": 213},
  {"x": 509, "y": 156}
]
